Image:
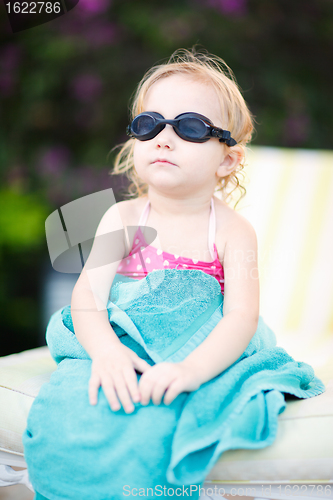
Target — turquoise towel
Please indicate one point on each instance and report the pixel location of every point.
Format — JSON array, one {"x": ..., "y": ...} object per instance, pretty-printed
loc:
[{"x": 74, "y": 450}]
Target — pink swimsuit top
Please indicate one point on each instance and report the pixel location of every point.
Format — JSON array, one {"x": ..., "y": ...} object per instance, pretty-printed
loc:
[{"x": 154, "y": 258}]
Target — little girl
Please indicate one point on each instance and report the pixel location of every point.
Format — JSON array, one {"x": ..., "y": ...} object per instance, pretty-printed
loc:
[
  {"x": 190, "y": 127},
  {"x": 163, "y": 360}
]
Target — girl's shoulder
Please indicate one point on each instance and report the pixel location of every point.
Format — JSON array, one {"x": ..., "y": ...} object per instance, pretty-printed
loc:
[
  {"x": 123, "y": 214},
  {"x": 230, "y": 225},
  {"x": 227, "y": 216},
  {"x": 130, "y": 210}
]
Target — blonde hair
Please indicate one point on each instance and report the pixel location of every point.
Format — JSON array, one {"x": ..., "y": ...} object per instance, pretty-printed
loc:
[{"x": 238, "y": 120}]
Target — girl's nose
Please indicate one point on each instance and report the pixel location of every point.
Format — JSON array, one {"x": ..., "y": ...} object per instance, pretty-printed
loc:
[
  {"x": 164, "y": 139},
  {"x": 163, "y": 144}
]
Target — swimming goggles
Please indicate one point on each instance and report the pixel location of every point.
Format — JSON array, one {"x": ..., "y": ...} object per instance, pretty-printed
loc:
[{"x": 191, "y": 127}]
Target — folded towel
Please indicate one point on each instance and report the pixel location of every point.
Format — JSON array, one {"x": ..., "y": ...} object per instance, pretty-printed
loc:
[{"x": 74, "y": 450}]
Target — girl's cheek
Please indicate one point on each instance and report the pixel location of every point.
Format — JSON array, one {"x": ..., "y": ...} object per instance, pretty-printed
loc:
[
  {"x": 139, "y": 159},
  {"x": 138, "y": 152}
]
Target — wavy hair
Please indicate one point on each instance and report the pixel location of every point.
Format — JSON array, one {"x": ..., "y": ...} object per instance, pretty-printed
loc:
[{"x": 238, "y": 119}]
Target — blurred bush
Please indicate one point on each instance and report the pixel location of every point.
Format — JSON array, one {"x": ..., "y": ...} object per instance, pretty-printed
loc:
[{"x": 65, "y": 87}]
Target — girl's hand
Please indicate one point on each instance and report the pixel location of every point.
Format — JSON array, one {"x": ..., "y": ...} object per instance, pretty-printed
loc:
[
  {"x": 168, "y": 378},
  {"x": 114, "y": 370}
]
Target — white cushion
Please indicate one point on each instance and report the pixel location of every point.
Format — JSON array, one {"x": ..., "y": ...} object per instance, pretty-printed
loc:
[
  {"x": 21, "y": 377},
  {"x": 302, "y": 451}
]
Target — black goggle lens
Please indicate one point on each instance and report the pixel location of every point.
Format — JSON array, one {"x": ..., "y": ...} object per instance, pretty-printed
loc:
[
  {"x": 193, "y": 128},
  {"x": 143, "y": 125}
]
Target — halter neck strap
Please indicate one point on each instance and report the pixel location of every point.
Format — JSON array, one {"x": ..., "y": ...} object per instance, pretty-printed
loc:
[{"x": 211, "y": 229}]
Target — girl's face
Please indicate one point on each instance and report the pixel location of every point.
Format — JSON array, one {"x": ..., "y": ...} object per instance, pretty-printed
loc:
[{"x": 168, "y": 163}]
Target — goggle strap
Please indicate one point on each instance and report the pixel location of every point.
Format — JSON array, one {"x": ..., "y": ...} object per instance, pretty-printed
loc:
[{"x": 225, "y": 136}]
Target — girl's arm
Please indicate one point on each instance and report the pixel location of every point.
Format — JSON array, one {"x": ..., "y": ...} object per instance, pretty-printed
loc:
[
  {"x": 113, "y": 364},
  {"x": 229, "y": 339}
]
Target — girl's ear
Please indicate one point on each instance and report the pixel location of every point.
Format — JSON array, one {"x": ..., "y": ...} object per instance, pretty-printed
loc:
[{"x": 232, "y": 159}]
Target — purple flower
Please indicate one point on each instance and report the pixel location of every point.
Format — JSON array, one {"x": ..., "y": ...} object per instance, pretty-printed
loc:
[
  {"x": 232, "y": 7},
  {"x": 94, "y": 6},
  {"x": 86, "y": 87},
  {"x": 54, "y": 161},
  {"x": 87, "y": 28}
]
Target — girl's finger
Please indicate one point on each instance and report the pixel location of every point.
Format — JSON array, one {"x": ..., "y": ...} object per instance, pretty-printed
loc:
[
  {"x": 94, "y": 384},
  {"x": 140, "y": 364},
  {"x": 122, "y": 392},
  {"x": 111, "y": 395},
  {"x": 146, "y": 385},
  {"x": 132, "y": 383},
  {"x": 172, "y": 392},
  {"x": 158, "y": 391}
]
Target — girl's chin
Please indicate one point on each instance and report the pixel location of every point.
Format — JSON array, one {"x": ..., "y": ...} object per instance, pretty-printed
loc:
[
  {"x": 164, "y": 178},
  {"x": 172, "y": 191}
]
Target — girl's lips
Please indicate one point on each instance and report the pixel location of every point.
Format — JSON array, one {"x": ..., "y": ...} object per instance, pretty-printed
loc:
[{"x": 161, "y": 160}]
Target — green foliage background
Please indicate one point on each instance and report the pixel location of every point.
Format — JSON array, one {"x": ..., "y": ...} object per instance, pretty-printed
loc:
[{"x": 65, "y": 87}]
